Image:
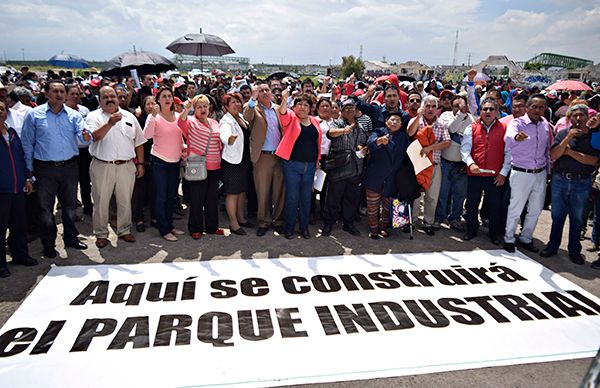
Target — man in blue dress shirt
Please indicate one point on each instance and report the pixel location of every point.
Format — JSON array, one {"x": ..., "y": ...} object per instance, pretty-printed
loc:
[{"x": 50, "y": 136}]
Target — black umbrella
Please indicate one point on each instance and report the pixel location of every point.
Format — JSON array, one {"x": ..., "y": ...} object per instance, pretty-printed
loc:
[
  {"x": 145, "y": 62},
  {"x": 199, "y": 45},
  {"x": 277, "y": 75},
  {"x": 68, "y": 60}
]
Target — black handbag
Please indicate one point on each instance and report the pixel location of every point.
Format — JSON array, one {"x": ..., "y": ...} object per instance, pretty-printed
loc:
[{"x": 341, "y": 165}]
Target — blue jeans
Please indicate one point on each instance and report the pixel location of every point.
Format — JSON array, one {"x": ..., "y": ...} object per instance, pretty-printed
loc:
[
  {"x": 165, "y": 178},
  {"x": 596, "y": 222},
  {"x": 569, "y": 197},
  {"x": 453, "y": 191},
  {"x": 298, "y": 178}
]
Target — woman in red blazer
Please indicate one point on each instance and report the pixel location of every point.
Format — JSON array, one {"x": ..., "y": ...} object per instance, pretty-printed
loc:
[{"x": 300, "y": 151}]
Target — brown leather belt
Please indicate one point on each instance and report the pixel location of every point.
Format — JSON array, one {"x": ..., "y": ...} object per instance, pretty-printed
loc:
[{"x": 115, "y": 162}]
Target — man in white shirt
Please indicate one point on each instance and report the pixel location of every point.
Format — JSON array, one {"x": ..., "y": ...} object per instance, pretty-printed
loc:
[{"x": 118, "y": 140}]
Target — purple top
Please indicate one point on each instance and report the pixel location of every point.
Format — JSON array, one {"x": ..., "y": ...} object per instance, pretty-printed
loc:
[{"x": 533, "y": 152}]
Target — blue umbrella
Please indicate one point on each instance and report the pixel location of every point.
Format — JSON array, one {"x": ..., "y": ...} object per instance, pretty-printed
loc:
[{"x": 69, "y": 61}]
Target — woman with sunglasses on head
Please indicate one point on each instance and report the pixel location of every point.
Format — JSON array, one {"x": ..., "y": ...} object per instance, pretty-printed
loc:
[{"x": 161, "y": 126}]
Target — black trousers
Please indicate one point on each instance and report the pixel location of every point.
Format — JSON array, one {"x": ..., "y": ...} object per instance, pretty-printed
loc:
[
  {"x": 85, "y": 184},
  {"x": 497, "y": 205},
  {"x": 143, "y": 195},
  {"x": 52, "y": 182},
  {"x": 342, "y": 197},
  {"x": 12, "y": 217},
  {"x": 204, "y": 204}
]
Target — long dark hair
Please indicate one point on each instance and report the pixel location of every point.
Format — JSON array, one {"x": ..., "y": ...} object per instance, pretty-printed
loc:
[{"x": 162, "y": 90}]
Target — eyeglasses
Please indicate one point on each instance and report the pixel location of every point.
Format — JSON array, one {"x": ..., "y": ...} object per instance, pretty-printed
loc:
[
  {"x": 488, "y": 109},
  {"x": 447, "y": 98},
  {"x": 414, "y": 100}
]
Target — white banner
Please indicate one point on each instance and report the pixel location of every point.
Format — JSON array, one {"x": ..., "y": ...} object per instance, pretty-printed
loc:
[{"x": 295, "y": 320}]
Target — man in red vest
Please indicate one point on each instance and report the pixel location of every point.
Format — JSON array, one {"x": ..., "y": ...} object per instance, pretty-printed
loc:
[{"x": 483, "y": 151}]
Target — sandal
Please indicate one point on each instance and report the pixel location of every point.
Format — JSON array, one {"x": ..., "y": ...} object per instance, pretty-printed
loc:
[
  {"x": 374, "y": 236},
  {"x": 384, "y": 233},
  {"x": 197, "y": 236},
  {"x": 170, "y": 237}
]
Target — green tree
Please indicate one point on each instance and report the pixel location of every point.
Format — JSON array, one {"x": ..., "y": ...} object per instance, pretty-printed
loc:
[{"x": 352, "y": 65}]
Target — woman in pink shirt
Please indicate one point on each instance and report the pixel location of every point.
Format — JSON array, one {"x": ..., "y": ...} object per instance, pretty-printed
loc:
[
  {"x": 203, "y": 138},
  {"x": 161, "y": 126}
]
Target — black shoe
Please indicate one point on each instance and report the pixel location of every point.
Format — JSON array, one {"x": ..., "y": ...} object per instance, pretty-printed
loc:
[
  {"x": 239, "y": 231},
  {"x": 406, "y": 229},
  {"x": 496, "y": 240},
  {"x": 50, "y": 252},
  {"x": 509, "y": 247},
  {"x": 28, "y": 261},
  {"x": 4, "y": 272},
  {"x": 596, "y": 264},
  {"x": 279, "y": 229},
  {"x": 469, "y": 236},
  {"x": 374, "y": 236},
  {"x": 327, "y": 228},
  {"x": 528, "y": 246},
  {"x": 305, "y": 234},
  {"x": 261, "y": 231},
  {"x": 140, "y": 227},
  {"x": 289, "y": 235},
  {"x": 350, "y": 228},
  {"x": 577, "y": 258},
  {"x": 547, "y": 252},
  {"x": 76, "y": 245},
  {"x": 428, "y": 230}
]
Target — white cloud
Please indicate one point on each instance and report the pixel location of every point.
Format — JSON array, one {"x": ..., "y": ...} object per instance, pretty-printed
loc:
[{"x": 302, "y": 32}]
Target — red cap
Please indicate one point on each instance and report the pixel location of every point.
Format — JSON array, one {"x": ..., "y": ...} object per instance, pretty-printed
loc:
[
  {"x": 359, "y": 92},
  {"x": 95, "y": 83},
  {"x": 445, "y": 92},
  {"x": 177, "y": 101}
]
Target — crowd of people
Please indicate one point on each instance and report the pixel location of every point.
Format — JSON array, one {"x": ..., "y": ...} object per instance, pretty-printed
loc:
[{"x": 499, "y": 155}]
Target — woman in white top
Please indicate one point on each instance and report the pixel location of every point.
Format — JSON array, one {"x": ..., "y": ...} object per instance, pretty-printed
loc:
[{"x": 235, "y": 164}]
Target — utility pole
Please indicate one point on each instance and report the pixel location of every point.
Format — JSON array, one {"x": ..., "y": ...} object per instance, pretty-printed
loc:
[
  {"x": 23, "y": 53},
  {"x": 360, "y": 54},
  {"x": 455, "y": 49},
  {"x": 469, "y": 59}
]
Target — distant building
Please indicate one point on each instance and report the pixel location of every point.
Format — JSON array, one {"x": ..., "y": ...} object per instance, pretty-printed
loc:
[
  {"x": 498, "y": 65},
  {"x": 225, "y": 63}
]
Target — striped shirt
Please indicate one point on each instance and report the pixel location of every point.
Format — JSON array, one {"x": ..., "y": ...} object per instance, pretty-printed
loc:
[
  {"x": 197, "y": 134},
  {"x": 440, "y": 131}
]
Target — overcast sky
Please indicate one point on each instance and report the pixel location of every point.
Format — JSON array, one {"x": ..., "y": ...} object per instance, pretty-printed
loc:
[{"x": 306, "y": 31}]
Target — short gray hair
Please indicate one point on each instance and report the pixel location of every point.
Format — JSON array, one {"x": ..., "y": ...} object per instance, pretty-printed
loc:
[
  {"x": 582, "y": 107},
  {"x": 429, "y": 98},
  {"x": 22, "y": 91}
]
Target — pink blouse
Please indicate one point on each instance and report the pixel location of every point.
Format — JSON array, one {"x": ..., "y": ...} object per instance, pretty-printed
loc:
[{"x": 168, "y": 141}]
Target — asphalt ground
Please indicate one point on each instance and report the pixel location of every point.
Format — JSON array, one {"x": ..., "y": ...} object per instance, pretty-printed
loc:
[{"x": 151, "y": 248}]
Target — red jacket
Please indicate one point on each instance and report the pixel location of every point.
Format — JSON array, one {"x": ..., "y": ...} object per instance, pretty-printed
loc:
[
  {"x": 488, "y": 148},
  {"x": 290, "y": 129}
]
